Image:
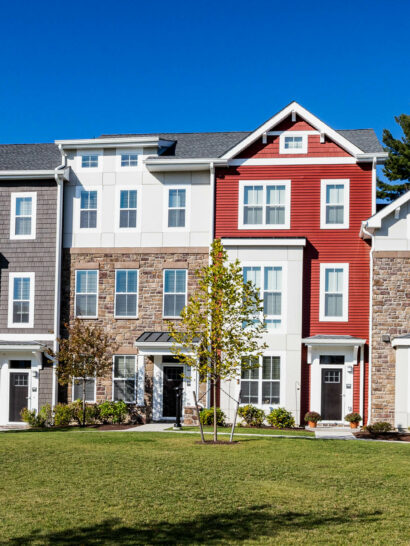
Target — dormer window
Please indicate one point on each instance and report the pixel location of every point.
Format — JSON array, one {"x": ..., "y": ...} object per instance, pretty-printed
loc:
[{"x": 292, "y": 142}]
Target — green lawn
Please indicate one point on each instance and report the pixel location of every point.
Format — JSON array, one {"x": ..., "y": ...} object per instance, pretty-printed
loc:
[
  {"x": 246, "y": 430},
  {"x": 95, "y": 487}
]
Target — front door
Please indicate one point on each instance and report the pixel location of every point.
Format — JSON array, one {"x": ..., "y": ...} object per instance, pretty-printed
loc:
[
  {"x": 331, "y": 394},
  {"x": 18, "y": 395},
  {"x": 172, "y": 379}
]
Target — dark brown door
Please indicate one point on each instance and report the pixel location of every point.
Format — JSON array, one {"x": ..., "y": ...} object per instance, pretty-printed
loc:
[
  {"x": 331, "y": 394},
  {"x": 18, "y": 395},
  {"x": 172, "y": 379}
]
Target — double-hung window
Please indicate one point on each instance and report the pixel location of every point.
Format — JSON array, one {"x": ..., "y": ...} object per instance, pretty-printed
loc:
[
  {"x": 268, "y": 280},
  {"x": 125, "y": 379},
  {"x": 334, "y": 283},
  {"x": 334, "y": 204},
  {"x": 23, "y": 215},
  {"x": 129, "y": 159},
  {"x": 264, "y": 204},
  {"x": 260, "y": 384},
  {"x": 126, "y": 293},
  {"x": 128, "y": 209},
  {"x": 292, "y": 142},
  {"x": 88, "y": 209},
  {"x": 21, "y": 300},
  {"x": 89, "y": 161},
  {"x": 175, "y": 292},
  {"x": 89, "y": 389},
  {"x": 177, "y": 207},
  {"x": 86, "y": 293}
]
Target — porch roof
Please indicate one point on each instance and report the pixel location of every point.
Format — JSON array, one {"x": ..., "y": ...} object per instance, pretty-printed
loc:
[
  {"x": 324, "y": 339},
  {"x": 21, "y": 345}
]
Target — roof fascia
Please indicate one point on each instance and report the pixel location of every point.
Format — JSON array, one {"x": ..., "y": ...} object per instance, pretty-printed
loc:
[
  {"x": 375, "y": 222},
  {"x": 200, "y": 164},
  {"x": 124, "y": 142},
  {"x": 29, "y": 174},
  {"x": 280, "y": 116},
  {"x": 333, "y": 341}
]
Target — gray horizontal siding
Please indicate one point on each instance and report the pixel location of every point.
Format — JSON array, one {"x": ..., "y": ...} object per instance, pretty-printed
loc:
[{"x": 45, "y": 391}]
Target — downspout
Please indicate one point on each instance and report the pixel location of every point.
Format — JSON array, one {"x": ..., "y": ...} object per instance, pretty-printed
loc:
[
  {"x": 59, "y": 177},
  {"x": 369, "y": 397}
]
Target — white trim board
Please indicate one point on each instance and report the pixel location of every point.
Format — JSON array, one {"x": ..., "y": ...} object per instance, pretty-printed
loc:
[
  {"x": 268, "y": 242},
  {"x": 266, "y": 161}
]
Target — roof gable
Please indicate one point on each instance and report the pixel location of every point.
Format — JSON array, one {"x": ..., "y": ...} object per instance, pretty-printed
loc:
[{"x": 375, "y": 221}]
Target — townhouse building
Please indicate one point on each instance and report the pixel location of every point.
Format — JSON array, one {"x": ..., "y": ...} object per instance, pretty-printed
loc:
[{"x": 31, "y": 180}]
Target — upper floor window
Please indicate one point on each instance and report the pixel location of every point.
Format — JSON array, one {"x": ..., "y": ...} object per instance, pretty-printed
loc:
[
  {"x": 292, "y": 142},
  {"x": 21, "y": 300},
  {"x": 128, "y": 209},
  {"x": 23, "y": 215},
  {"x": 176, "y": 208},
  {"x": 86, "y": 293},
  {"x": 126, "y": 293},
  {"x": 125, "y": 378},
  {"x": 264, "y": 204},
  {"x": 175, "y": 292},
  {"x": 334, "y": 204},
  {"x": 261, "y": 383},
  {"x": 269, "y": 282},
  {"x": 129, "y": 159},
  {"x": 88, "y": 209},
  {"x": 334, "y": 284},
  {"x": 89, "y": 161}
]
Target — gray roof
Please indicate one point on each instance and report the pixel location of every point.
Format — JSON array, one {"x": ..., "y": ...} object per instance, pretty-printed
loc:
[
  {"x": 197, "y": 145},
  {"x": 156, "y": 337},
  {"x": 26, "y": 157}
]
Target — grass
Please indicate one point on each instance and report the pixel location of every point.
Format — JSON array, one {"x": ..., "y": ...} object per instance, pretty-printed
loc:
[
  {"x": 246, "y": 430},
  {"x": 83, "y": 487}
]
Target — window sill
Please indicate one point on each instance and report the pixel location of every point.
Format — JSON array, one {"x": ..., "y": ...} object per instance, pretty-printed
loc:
[
  {"x": 271, "y": 227},
  {"x": 125, "y": 318}
]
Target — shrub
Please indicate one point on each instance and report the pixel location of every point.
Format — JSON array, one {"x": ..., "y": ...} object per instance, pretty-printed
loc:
[
  {"x": 91, "y": 412},
  {"x": 43, "y": 419},
  {"x": 63, "y": 415},
  {"x": 113, "y": 411},
  {"x": 207, "y": 417},
  {"x": 46, "y": 416},
  {"x": 313, "y": 416},
  {"x": 281, "y": 418},
  {"x": 252, "y": 416},
  {"x": 353, "y": 417},
  {"x": 30, "y": 417},
  {"x": 376, "y": 428}
]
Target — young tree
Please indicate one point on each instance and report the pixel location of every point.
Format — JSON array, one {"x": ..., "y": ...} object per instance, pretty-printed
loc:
[
  {"x": 85, "y": 353},
  {"x": 397, "y": 166},
  {"x": 221, "y": 324}
]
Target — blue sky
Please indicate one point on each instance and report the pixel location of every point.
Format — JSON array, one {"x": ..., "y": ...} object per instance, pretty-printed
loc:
[{"x": 78, "y": 69}]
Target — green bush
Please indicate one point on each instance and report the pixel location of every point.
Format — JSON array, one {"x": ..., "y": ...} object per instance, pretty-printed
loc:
[
  {"x": 46, "y": 416},
  {"x": 313, "y": 416},
  {"x": 30, "y": 417},
  {"x": 207, "y": 417},
  {"x": 376, "y": 428},
  {"x": 91, "y": 412},
  {"x": 281, "y": 418},
  {"x": 63, "y": 415},
  {"x": 114, "y": 412},
  {"x": 43, "y": 419},
  {"x": 353, "y": 417},
  {"x": 252, "y": 416}
]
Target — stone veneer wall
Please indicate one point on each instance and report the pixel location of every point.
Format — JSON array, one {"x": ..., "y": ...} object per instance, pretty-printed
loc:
[
  {"x": 391, "y": 315},
  {"x": 151, "y": 262}
]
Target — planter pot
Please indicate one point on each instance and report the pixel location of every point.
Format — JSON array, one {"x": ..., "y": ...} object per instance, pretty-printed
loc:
[
  {"x": 311, "y": 424},
  {"x": 354, "y": 425}
]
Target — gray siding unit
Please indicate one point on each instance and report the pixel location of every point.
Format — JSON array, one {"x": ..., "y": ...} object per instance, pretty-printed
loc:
[{"x": 45, "y": 390}]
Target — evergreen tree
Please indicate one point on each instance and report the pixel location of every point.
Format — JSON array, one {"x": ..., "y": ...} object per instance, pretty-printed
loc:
[{"x": 397, "y": 166}]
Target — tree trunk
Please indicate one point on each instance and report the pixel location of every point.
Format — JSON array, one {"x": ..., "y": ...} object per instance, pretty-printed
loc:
[
  {"x": 83, "y": 402},
  {"x": 215, "y": 419}
]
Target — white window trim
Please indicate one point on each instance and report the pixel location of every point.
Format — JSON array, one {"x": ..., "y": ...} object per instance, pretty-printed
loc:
[
  {"x": 187, "y": 189},
  {"x": 77, "y": 219},
  {"x": 284, "y": 266},
  {"x": 282, "y": 381},
  {"x": 115, "y": 295},
  {"x": 95, "y": 390},
  {"x": 121, "y": 151},
  {"x": 30, "y": 323},
  {"x": 302, "y": 150},
  {"x": 118, "y": 191},
  {"x": 178, "y": 317},
  {"x": 14, "y": 196},
  {"x": 79, "y": 156},
  {"x": 346, "y": 208},
  {"x": 75, "y": 295},
  {"x": 345, "y": 315},
  {"x": 136, "y": 378},
  {"x": 264, "y": 183}
]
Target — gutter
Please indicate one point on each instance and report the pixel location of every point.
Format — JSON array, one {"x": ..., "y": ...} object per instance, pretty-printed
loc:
[
  {"x": 31, "y": 174},
  {"x": 369, "y": 398},
  {"x": 183, "y": 164}
]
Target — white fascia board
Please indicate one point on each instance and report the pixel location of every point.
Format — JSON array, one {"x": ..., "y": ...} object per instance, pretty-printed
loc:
[
  {"x": 264, "y": 242},
  {"x": 380, "y": 157},
  {"x": 110, "y": 142},
  {"x": 401, "y": 342},
  {"x": 375, "y": 222},
  {"x": 21, "y": 348},
  {"x": 333, "y": 341},
  {"x": 264, "y": 161},
  {"x": 27, "y": 337},
  {"x": 34, "y": 175},
  {"x": 280, "y": 116},
  {"x": 201, "y": 164}
]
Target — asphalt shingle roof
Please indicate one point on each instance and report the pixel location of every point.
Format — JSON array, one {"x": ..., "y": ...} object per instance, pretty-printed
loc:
[{"x": 26, "y": 157}]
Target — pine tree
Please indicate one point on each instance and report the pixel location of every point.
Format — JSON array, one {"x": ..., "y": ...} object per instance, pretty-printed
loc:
[{"x": 397, "y": 166}]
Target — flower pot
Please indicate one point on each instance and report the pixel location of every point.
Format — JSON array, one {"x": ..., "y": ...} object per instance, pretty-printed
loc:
[
  {"x": 354, "y": 425},
  {"x": 312, "y": 424}
]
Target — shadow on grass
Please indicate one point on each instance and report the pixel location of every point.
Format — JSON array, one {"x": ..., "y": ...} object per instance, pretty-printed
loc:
[{"x": 241, "y": 525}]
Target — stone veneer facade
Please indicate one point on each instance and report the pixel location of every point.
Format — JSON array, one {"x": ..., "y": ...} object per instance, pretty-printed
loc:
[
  {"x": 123, "y": 331},
  {"x": 391, "y": 315}
]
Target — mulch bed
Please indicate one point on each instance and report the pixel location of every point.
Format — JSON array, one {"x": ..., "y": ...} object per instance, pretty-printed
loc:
[
  {"x": 267, "y": 427},
  {"x": 391, "y": 436}
]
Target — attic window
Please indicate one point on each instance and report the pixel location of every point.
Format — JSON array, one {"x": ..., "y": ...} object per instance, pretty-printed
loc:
[{"x": 293, "y": 143}]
